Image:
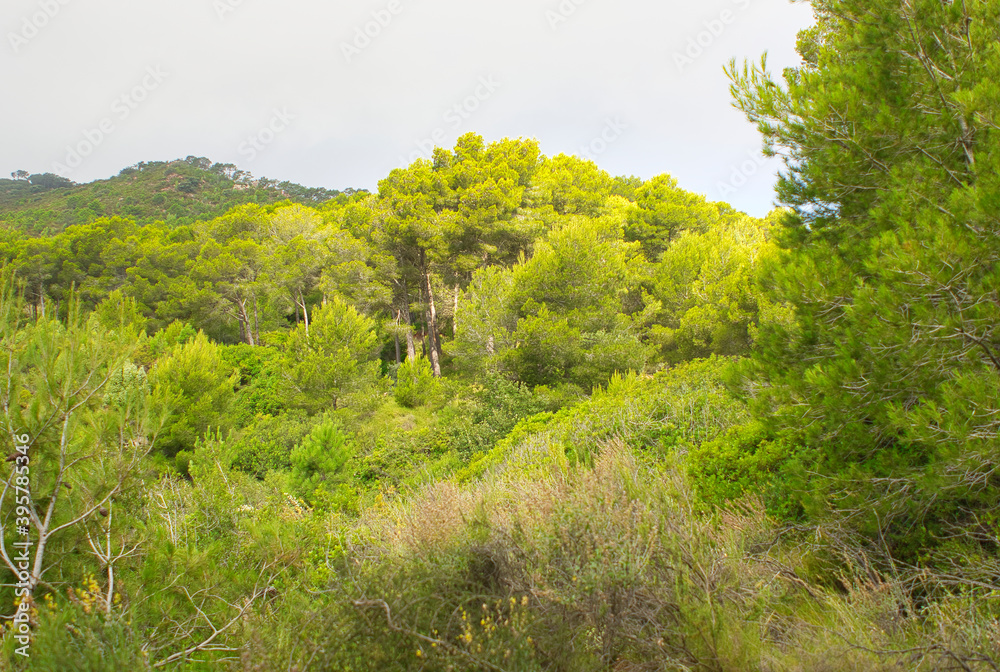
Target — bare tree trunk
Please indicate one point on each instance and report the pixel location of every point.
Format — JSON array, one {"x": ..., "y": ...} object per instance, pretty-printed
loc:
[
  {"x": 432, "y": 328},
  {"x": 246, "y": 328},
  {"x": 411, "y": 348},
  {"x": 454, "y": 317},
  {"x": 396, "y": 338},
  {"x": 305, "y": 310}
]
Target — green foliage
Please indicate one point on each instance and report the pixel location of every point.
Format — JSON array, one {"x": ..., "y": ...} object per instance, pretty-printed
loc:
[
  {"x": 611, "y": 568},
  {"x": 164, "y": 340},
  {"x": 746, "y": 461},
  {"x": 572, "y": 313},
  {"x": 572, "y": 186},
  {"x": 77, "y": 636},
  {"x": 198, "y": 386},
  {"x": 332, "y": 363},
  {"x": 318, "y": 462},
  {"x": 76, "y": 424},
  {"x": 126, "y": 387},
  {"x": 258, "y": 393},
  {"x": 177, "y": 192},
  {"x": 889, "y": 367},
  {"x": 121, "y": 312},
  {"x": 266, "y": 444},
  {"x": 660, "y": 416},
  {"x": 664, "y": 212},
  {"x": 415, "y": 383},
  {"x": 474, "y": 422},
  {"x": 705, "y": 283}
]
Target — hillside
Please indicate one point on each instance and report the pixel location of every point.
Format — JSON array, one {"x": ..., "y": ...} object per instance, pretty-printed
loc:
[
  {"x": 512, "y": 413},
  {"x": 176, "y": 192}
]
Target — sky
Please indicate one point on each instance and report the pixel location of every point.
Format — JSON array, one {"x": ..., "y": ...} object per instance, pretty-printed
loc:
[{"x": 336, "y": 94}]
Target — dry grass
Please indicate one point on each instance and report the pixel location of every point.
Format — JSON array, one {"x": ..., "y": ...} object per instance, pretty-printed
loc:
[{"x": 619, "y": 570}]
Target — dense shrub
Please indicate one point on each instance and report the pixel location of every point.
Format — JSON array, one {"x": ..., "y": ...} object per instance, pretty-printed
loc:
[
  {"x": 415, "y": 383},
  {"x": 198, "y": 386},
  {"x": 318, "y": 461},
  {"x": 747, "y": 460},
  {"x": 614, "y": 567},
  {"x": 266, "y": 444}
]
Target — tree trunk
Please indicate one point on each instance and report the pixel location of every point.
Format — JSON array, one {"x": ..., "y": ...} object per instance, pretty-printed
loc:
[
  {"x": 246, "y": 328},
  {"x": 454, "y": 315},
  {"x": 432, "y": 329},
  {"x": 411, "y": 348},
  {"x": 396, "y": 338},
  {"x": 305, "y": 311}
]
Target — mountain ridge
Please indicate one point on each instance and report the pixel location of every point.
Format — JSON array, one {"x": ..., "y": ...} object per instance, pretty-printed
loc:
[{"x": 177, "y": 192}]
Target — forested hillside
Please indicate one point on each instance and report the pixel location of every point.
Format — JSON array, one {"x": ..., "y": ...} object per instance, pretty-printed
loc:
[
  {"x": 511, "y": 412},
  {"x": 175, "y": 192}
]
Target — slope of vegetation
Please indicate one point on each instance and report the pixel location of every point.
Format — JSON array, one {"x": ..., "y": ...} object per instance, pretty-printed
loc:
[
  {"x": 175, "y": 192},
  {"x": 512, "y": 413}
]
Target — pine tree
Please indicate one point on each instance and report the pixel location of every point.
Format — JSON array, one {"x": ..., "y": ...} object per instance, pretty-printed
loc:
[{"x": 890, "y": 370}]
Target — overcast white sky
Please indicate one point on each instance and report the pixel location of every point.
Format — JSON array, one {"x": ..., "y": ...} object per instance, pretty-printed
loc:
[{"x": 329, "y": 106}]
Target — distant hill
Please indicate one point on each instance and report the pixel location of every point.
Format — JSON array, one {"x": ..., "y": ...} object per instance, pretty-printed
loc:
[{"x": 176, "y": 192}]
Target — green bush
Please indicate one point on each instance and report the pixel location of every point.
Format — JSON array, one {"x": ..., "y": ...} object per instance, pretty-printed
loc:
[
  {"x": 197, "y": 386},
  {"x": 415, "y": 383},
  {"x": 320, "y": 458},
  {"x": 333, "y": 363},
  {"x": 492, "y": 412},
  {"x": 746, "y": 460},
  {"x": 660, "y": 416},
  {"x": 79, "y": 636},
  {"x": 258, "y": 392},
  {"x": 267, "y": 443}
]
